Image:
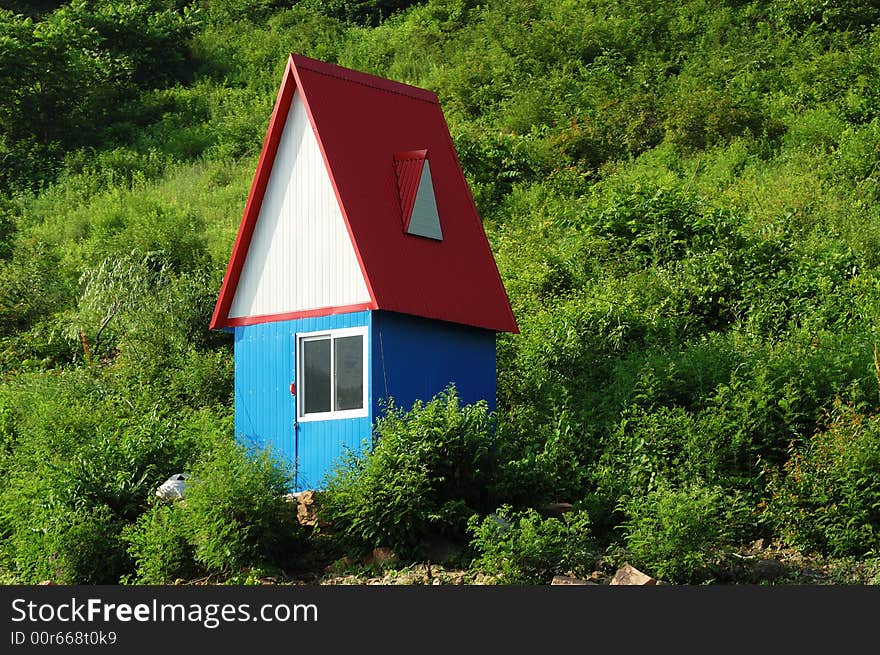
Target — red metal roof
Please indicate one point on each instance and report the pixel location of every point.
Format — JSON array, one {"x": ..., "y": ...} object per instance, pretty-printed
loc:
[
  {"x": 361, "y": 123},
  {"x": 408, "y": 167}
]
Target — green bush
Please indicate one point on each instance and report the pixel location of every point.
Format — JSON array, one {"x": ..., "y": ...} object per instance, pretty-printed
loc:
[
  {"x": 159, "y": 545},
  {"x": 701, "y": 117},
  {"x": 678, "y": 534},
  {"x": 68, "y": 546},
  {"x": 102, "y": 53},
  {"x": 81, "y": 458},
  {"x": 428, "y": 472},
  {"x": 540, "y": 461},
  {"x": 364, "y": 12},
  {"x": 524, "y": 548},
  {"x": 827, "y": 497},
  {"x": 235, "y": 514}
]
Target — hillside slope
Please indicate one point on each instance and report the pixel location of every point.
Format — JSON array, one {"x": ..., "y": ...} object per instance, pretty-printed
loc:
[{"x": 684, "y": 204}]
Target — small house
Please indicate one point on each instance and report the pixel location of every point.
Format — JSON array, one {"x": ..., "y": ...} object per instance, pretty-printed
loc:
[{"x": 360, "y": 272}]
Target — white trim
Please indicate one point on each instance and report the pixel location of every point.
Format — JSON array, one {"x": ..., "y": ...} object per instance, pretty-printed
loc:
[{"x": 331, "y": 334}]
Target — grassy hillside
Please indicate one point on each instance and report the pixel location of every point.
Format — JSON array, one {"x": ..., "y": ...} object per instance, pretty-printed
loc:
[{"x": 684, "y": 204}]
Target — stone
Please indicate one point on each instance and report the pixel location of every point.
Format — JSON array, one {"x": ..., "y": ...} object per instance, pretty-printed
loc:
[
  {"x": 567, "y": 580},
  {"x": 484, "y": 579},
  {"x": 306, "y": 514},
  {"x": 502, "y": 524},
  {"x": 173, "y": 488},
  {"x": 629, "y": 575}
]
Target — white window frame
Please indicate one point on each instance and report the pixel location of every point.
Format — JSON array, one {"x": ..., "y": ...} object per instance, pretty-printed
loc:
[{"x": 300, "y": 376}]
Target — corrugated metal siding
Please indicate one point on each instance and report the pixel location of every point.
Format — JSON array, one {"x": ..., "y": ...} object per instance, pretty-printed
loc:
[
  {"x": 264, "y": 408},
  {"x": 408, "y": 169},
  {"x": 265, "y": 411},
  {"x": 300, "y": 256},
  {"x": 414, "y": 358},
  {"x": 453, "y": 280}
]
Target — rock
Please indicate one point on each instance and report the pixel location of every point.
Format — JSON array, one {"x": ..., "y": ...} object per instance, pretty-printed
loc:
[
  {"x": 382, "y": 555},
  {"x": 567, "y": 580},
  {"x": 629, "y": 575},
  {"x": 484, "y": 579},
  {"x": 306, "y": 514},
  {"x": 556, "y": 510},
  {"x": 173, "y": 488}
]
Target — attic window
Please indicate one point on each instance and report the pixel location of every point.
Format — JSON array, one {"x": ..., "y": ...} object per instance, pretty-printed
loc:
[{"x": 415, "y": 187}]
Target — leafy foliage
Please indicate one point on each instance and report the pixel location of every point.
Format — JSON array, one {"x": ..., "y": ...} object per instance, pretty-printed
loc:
[
  {"x": 524, "y": 548},
  {"x": 426, "y": 475},
  {"x": 678, "y": 534},
  {"x": 66, "y": 75},
  {"x": 828, "y": 496},
  {"x": 236, "y": 513},
  {"x": 158, "y": 544},
  {"x": 234, "y": 517},
  {"x": 683, "y": 203},
  {"x": 364, "y": 12}
]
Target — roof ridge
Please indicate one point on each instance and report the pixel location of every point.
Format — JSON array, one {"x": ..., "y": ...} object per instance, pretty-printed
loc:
[{"x": 356, "y": 77}]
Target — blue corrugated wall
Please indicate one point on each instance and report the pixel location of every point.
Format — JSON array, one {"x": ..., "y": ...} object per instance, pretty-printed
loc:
[
  {"x": 265, "y": 410},
  {"x": 412, "y": 359}
]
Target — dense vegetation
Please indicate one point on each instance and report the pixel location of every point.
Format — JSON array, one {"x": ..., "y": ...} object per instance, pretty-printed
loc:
[{"x": 684, "y": 203}]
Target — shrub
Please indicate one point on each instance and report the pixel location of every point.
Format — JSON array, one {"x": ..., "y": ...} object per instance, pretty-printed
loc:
[
  {"x": 159, "y": 546},
  {"x": 540, "y": 461},
  {"x": 81, "y": 458},
  {"x": 427, "y": 474},
  {"x": 363, "y": 12},
  {"x": 70, "y": 546},
  {"x": 234, "y": 517},
  {"x": 701, "y": 117},
  {"x": 235, "y": 514},
  {"x": 677, "y": 534},
  {"x": 524, "y": 548},
  {"x": 827, "y": 497}
]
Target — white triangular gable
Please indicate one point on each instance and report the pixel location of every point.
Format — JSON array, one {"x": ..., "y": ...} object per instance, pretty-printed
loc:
[
  {"x": 425, "y": 220},
  {"x": 300, "y": 256}
]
